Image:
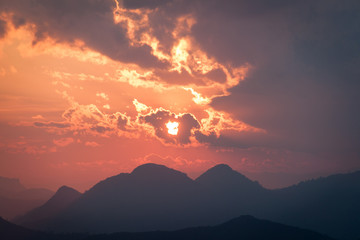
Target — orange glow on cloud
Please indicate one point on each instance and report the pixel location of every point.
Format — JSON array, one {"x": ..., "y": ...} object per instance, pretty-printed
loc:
[
  {"x": 76, "y": 103},
  {"x": 81, "y": 89},
  {"x": 180, "y": 56}
]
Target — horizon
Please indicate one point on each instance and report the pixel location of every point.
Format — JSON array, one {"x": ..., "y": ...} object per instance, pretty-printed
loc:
[{"x": 194, "y": 177}]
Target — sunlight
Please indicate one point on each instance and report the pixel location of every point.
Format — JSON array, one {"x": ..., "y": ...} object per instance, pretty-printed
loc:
[{"x": 173, "y": 127}]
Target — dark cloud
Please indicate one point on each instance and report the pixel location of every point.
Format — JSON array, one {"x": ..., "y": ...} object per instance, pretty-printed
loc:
[
  {"x": 51, "y": 124},
  {"x": 3, "y": 28},
  {"x": 216, "y": 75},
  {"x": 203, "y": 138},
  {"x": 122, "y": 122},
  {"x": 177, "y": 78},
  {"x": 18, "y": 21},
  {"x": 101, "y": 129},
  {"x": 159, "y": 118},
  {"x": 303, "y": 87},
  {"x": 86, "y": 20},
  {"x": 134, "y": 4},
  {"x": 304, "y": 83}
]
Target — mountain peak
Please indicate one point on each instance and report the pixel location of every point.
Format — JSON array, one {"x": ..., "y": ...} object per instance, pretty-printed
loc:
[
  {"x": 64, "y": 189},
  {"x": 149, "y": 167},
  {"x": 224, "y": 175},
  {"x": 63, "y": 194},
  {"x": 63, "y": 197},
  {"x": 220, "y": 171},
  {"x": 152, "y": 170},
  {"x": 221, "y": 167}
]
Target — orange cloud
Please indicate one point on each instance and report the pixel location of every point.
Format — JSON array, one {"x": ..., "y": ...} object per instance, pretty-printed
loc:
[
  {"x": 102, "y": 95},
  {"x": 92, "y": 144},
  {"x": 63, "y": 142}
]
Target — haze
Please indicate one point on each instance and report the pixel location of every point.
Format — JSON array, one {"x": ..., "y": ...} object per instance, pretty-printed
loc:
[{"x": 90, "y": 89}]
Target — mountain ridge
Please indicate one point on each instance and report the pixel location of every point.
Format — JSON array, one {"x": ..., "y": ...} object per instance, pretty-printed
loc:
[
  {"x": 16, "y": 199},
  {"x": 155, "y": 197},
  {"x": 243, "y": 227},
  {"x": 63, "y": 197}
]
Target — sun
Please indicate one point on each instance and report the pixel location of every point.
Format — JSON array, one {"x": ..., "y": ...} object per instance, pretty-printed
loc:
[{"x": 173, "y": 127}]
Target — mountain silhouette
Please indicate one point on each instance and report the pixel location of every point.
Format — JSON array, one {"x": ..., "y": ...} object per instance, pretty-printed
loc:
[
  {"x": 329, "y": 205},
  {"x": 11, "y": 231},
  {"x": 229, "y": 193},
  {"x": 15, "y": 199},
  {"x": 223, "y": 175},
  {"x": 244, "y": 227},
  {"x": 61, "y": 199},
  {"x": 151, "y": 197},
  {"x": 10, "y": 186},
  {"x": 154, "y": 197}
]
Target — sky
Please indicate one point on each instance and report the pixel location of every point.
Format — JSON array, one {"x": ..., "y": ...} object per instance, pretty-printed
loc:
[{"x": 90, "y": 88}]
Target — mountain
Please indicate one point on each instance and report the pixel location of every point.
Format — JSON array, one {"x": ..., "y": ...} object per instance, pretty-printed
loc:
[
  {"x": 154, "y": 197},
  {"x": 244, "y": 227},
  {"x": 229, "y": 194},
  {"x": 223, "y": 175},
  {"x": 329, "y": 205},
  {"x": 151, "y": 197},
  {"x": 60, "y": 201},
  {"x": 9, "y": 186},
  {"x": 10, "y": 231},
  {"x": 16, "y": 200}
]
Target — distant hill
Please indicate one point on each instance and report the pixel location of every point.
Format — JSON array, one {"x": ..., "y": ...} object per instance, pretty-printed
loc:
[
  {"x": 330, "y": 205},
  {"x": 229, "y": 194},
  {"x": 223, "y": 178},
  {"x": 244, "y": 227},
  {"x": 57, "y": 203},
  {"x": 154, "y": 197},
  {"x": 10, "y": 231},
  {"x": 151, "y": 197},
  {"x": 16, "y": 200},
  {"x": 9, "y": 186}
]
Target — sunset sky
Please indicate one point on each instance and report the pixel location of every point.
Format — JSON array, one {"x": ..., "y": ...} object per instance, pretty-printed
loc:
[{"x": 91, "y": 88}]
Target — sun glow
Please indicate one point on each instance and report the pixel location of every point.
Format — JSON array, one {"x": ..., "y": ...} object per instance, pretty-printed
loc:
[{"x": 173, "y": 127}]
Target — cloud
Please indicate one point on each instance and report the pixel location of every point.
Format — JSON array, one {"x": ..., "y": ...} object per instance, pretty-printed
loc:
[
  {"x": 89, "y": 21},
  {"x": 92, "y": 144},
  {"x": 302, "y": 85},
  {"x": 52, "y": 124},
  {"x": 158, "y": 119},
  {"x": 37, "y": 117},
  {"x": 211, "y": 129},
  {"x": 191, "y": 131},
  {"x": 102, "y": 95},
  {"x": 89, "y": 119},
  {"x": 3, "y": 28},
  {"x": 158, "y": 39},
  {"x": 289, "y": 68},
  {"x": 140, "y": 107},
  {"x": 123, "y": 122},
  {"x": 63, "y": 142},
  {"x": 29, "y": 146},
  {"x": 18, "y": 21}
]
